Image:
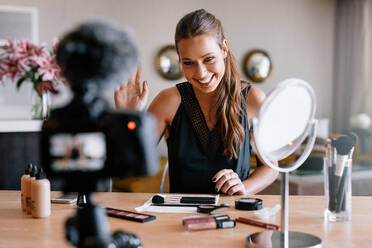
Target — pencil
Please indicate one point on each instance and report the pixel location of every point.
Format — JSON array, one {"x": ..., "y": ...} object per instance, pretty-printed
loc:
[{"x": 257, "y": 223}]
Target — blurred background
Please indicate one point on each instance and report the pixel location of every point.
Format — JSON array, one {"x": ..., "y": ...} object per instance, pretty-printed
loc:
[{"x": 325, "y": 42}]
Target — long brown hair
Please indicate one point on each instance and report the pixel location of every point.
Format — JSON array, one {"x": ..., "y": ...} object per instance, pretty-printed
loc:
[{"x": 229, "y": 96}]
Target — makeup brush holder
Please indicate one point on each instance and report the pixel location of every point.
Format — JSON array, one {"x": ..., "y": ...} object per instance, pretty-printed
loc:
[{"x": 337, "y": 186}]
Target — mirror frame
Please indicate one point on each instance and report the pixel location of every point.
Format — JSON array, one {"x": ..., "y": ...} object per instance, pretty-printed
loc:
[
  {"x": 246, "y": 68},
  {"x": 309, "y": 130},
  {"x": 163, "y": 50}
]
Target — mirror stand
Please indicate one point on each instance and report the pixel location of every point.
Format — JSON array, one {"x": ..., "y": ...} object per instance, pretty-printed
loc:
[{"x": 285, "y": 238}]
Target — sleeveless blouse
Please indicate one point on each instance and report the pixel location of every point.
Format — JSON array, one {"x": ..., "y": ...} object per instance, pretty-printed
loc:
[{"x": 195, "y": 153}]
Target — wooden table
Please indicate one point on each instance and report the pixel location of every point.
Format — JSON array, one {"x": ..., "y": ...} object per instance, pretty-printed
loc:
[{"x": 306, "y": 215}]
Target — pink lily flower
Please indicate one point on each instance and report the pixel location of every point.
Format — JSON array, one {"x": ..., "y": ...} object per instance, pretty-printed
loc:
[
  {"x": 35, "y": 63},
  {"x": 8, "y": 48},
  {"x": 47, "y": 67},
  {"x": 11, "y": 68}
]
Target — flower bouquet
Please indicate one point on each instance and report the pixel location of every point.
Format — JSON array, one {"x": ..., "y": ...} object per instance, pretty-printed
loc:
[{"x": 22, "y": 61}]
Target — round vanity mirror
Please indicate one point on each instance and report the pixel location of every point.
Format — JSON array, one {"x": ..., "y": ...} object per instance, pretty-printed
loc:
[
  {"x": 167, "y": 63},
  {"x": 257, "y": 65},
  {"x": 284, "y": 120},
  {"x": 281, "y": 125}
]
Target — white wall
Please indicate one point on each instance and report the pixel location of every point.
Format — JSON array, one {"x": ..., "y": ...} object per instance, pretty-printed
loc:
[{"x": 297, "y": 33}]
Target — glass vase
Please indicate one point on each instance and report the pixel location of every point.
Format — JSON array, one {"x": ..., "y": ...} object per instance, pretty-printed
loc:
[{"x": 40, "y": 105}]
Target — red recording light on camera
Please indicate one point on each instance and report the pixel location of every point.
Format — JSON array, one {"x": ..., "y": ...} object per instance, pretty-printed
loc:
[{"x": 131, "y": 125}]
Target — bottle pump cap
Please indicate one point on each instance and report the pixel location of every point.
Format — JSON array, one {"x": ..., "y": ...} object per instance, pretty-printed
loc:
[
  {"x": 28, "y": 169},
  {"x": 41, "y": 174},
  {"x": 34, "y": 171}
]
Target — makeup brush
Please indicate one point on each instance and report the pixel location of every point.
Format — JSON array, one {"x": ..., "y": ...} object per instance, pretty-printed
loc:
[
  {"x": 332, "y": 167},
  {"x": 195, "y": 200},
  {"x": 343, "y": 145},
  {"x": 354, "y": 139},
  {"x": 330, "y": 171},
  {"x": 344, "y": 182}
]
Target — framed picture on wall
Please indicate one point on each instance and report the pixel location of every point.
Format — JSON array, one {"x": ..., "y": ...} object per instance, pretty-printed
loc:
[{"x": 17, "y": 22}]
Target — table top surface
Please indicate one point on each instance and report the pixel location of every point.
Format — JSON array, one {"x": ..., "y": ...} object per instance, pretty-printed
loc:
[{"x": 306, "y": 215}]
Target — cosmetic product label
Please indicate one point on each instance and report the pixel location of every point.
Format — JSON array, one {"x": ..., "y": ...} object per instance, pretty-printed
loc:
[
  {"x": 226, "y": 224},
  {"x": 193, "y": 219}
]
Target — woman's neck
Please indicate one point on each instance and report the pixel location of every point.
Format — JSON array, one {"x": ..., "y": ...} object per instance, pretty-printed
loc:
[
  {"x": 206, "y": 99},
  {"x": 207, "y": 103}
]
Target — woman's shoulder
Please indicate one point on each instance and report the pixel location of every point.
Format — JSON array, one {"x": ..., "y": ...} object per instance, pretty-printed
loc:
[
  {"x": 254, "y": 95},
  {"x": 254, "y": 98},
  {"x": 169, "y": 96},
  {"x": 166, "y": 103}
]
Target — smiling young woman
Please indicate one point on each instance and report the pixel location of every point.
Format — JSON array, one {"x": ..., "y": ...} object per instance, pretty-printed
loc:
[
  {"x": 206, "y": 120},
  {"x": 202, "y": 61}
]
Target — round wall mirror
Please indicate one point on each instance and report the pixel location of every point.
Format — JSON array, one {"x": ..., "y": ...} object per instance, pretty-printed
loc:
[
  {"x": 167, "y": 63},
  {"x": 284, "y": 119},
  {"x": 257, "y": 65}
]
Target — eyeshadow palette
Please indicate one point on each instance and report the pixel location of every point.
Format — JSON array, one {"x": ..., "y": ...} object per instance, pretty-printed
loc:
[{"x": 128, "y": 215}]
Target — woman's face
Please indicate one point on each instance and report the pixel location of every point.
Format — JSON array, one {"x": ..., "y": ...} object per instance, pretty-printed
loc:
[{"x": 202, "y": 61}]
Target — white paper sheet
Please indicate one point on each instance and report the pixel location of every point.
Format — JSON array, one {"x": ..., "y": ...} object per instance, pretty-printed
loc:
[{"x": 147, "y": 206}]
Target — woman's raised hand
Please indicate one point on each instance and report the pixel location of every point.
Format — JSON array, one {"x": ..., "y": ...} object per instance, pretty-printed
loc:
[{"x": 132, "y": 95}]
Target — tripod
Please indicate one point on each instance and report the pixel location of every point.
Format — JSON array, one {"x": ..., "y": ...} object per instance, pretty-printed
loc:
[{"x": 90, "y": 228}]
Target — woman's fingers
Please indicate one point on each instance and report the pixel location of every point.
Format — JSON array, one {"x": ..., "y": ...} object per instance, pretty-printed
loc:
[
  {"x": 120, "y": 97},
  {"x": 139, "y": 74},
  {"x": 132, "y": 80},
  {"x": 227, "y": 181},
  {"x": 229, "y": 184},
  {"x": 233, "y": 186},
  {"x": 145, "y": 90},
  {"x": 226, "y": 176},
  {"x": 138, "y": 79},
  {"x": 138, "y": 88},
  {"x": 237, "y": 189},
  {"x": 131, "y": 95},
  {"x": 221, "y": 173}
]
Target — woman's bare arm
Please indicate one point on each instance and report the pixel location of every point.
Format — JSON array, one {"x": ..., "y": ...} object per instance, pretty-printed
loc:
[
  {"x": 263, "y": 175},
  {"x": 164, "y": 108}
]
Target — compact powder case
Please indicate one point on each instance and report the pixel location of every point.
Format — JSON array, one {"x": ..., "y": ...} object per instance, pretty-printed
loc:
[{"x": 248, "y": 204}]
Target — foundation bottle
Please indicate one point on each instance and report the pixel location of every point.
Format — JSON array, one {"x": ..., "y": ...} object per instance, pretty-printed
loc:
[
  {"x": 40, "y": 189},
  {"x": 28, "y": 188},
  {"x": 24, "y": 186}
]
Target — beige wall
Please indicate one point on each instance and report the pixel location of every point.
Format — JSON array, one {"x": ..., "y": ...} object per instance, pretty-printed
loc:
[{"x": 297, "y": 33}]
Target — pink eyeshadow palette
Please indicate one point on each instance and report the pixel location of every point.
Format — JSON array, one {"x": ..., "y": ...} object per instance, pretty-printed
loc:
[{"x": 128, "y": 215}]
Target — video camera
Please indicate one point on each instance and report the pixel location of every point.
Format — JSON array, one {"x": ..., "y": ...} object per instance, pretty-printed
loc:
[
  {"x": 85, "y": 143},
  {"x": 122, "y": 145}
]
